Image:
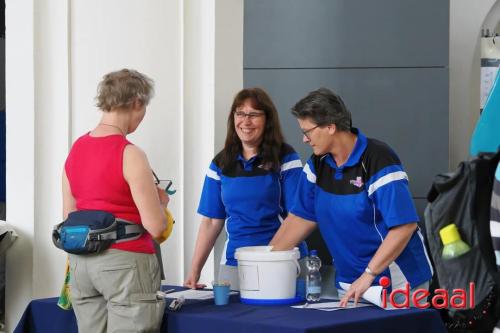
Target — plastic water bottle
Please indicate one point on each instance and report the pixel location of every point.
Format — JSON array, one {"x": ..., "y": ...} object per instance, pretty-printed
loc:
[
  {"x": 313, "y": 278},
  {"x": 454, "y": 246}
]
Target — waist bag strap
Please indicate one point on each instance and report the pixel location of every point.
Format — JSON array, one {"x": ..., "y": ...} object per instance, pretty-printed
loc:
[{"x": 125, "y": 231}]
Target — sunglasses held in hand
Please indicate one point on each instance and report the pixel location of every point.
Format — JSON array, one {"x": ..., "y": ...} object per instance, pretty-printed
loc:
[{"x": 164, "y": 183}]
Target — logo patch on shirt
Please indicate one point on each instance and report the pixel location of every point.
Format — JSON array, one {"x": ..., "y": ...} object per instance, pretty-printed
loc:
[
  {"x": 358, "y": 182},
  {"x": 266, "y": 166}
]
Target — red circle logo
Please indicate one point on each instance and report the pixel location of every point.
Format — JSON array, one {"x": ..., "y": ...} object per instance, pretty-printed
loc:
[{"x": 384, "y": 281}]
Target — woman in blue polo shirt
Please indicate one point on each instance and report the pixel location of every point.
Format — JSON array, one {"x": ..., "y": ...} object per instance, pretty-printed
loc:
[
  {"x": 249, "y": 185},
  {"x": 356, "y": 191}
]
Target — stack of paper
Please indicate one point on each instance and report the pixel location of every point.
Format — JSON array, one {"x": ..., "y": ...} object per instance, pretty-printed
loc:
[
  {"x": 330, "y": 306},
  {"x": 195, "y": 294}
]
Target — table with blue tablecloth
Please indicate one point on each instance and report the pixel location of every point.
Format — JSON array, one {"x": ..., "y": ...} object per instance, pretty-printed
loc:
[{"x": 43, "y": 315}]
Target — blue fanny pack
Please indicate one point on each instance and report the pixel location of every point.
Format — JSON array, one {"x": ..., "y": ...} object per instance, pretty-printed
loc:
[{"x": 92, "y": 231}]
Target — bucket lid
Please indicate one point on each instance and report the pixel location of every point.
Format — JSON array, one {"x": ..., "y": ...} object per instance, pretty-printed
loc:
[{"x": 264, "y": 253}]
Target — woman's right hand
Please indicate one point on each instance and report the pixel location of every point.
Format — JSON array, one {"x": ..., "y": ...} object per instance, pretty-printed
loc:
[{"x": 192, "y": 281}]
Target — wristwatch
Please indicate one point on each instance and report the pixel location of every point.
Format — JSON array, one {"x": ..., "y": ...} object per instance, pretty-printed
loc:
[{"x": 369, "y": 271}]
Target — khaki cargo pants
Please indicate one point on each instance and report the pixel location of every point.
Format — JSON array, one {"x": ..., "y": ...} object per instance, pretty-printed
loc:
[{"x": 115, "y": 291}]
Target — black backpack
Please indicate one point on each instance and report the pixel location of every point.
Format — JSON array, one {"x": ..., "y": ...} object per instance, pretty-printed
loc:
[{"x": 464, "y": 198}]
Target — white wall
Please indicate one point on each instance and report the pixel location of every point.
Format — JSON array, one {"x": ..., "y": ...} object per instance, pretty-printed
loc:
[
  {"x": 466, "y": 20},
  {"x": 110, "y": 35},
  {"x": 57, "y": 51}
]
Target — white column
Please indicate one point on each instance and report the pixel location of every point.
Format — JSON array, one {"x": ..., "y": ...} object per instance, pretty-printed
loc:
[
  {"x": 198, "y": 117},
  {"x": 213, "y": 74},
  {"x": 228, "y": 75},
  {"x": 20, "y": 138},
  {"x": 52, "y": 139}
]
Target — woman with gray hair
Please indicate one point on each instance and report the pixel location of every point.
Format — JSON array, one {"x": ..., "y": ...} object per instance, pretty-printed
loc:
[
  {"x": 355, "y": 189},
  {"x": 115, "y": 290}
]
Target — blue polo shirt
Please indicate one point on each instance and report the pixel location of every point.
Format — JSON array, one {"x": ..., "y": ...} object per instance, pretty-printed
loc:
[
  {"x": 355, "y": 206},
  {"x": 252, "y": 200}
]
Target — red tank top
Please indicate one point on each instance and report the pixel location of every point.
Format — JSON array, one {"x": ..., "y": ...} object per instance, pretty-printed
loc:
[{"x": 94, "y": 168}]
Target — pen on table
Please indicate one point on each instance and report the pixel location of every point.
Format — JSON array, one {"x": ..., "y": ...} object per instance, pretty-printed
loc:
[{"x": 163, "y": 294}]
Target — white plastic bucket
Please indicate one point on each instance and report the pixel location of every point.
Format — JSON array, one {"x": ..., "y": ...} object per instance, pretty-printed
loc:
[{"x": 267, "y": 277}]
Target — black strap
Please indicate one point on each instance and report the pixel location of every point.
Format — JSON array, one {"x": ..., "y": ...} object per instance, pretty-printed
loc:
[{"x": 125, "y": 231}]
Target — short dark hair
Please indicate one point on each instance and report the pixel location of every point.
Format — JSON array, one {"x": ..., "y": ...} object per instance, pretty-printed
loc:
[
  {"x": 272, "y": 140},
  {"x": 324, "y": 107}
]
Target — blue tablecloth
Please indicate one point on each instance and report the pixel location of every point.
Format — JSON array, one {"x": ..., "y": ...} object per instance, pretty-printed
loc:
[{"x": 44, "y": 315}]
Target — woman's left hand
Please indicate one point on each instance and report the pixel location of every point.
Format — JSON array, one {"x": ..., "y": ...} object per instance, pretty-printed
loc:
[
  {"x": 357, "y": 289},
  {"x": 163, "y": 196}
]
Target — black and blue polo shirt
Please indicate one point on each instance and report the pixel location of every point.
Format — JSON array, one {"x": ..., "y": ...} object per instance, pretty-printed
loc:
[
  {"x": 253, "y": 200},
  {"x": 356, "y": 204}
]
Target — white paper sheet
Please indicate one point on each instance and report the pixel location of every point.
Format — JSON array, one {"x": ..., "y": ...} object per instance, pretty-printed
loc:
[
  {"x": 195, "y": 294},
  {"x": 372, "y": 295}
]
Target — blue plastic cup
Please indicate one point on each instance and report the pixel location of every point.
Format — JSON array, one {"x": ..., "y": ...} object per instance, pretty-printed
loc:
[{"x": 221, "y": 294}]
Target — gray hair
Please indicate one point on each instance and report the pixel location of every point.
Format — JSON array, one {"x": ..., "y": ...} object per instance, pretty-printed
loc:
[
  {"x": 121, "y": 88},
  {"x": 324, "y": 107}
]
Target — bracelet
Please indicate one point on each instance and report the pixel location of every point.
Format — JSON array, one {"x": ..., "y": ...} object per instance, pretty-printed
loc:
[{"x": 370, "y": 272}]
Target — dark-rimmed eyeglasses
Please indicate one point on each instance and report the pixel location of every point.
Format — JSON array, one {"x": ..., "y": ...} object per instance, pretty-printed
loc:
[
  {"x": 163, "y": 183},
  {"x": 250, "y": 115},
  {"x": 307, "y": 131}
]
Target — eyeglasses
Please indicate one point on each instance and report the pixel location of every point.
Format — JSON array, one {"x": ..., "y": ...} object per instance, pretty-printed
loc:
[
  {"x": 307, "y": 131},
  {"x": 163, "y": 183},
  {"x": 250, "y": 115}
]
